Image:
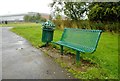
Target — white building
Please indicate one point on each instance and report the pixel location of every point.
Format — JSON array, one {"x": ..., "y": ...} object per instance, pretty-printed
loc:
[
  {"x": 19, "y": 17},
  {"x": 11, "y": 18}
]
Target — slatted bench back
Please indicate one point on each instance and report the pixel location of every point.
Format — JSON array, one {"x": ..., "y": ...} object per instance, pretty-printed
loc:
[{"x": 81, "y": 37}]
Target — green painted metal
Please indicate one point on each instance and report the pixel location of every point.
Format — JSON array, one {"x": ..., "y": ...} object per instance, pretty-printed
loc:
[
  {"x": 48, "y": 24},
  {"x": 47, "y": 35},
  {"x": 77, "y": 56},
  {"x": 61, "y": 49},
  {"x": 47, "y": 31},
  {"x": 81, "y": 40}
]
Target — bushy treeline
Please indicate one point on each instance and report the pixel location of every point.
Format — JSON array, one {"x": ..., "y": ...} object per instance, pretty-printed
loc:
[
  {"x": 102, "y": 11},
  {"x": 86, "y": 24},
  {"x": 101, "y": 15},
  {"x": 34, "y": 18}
]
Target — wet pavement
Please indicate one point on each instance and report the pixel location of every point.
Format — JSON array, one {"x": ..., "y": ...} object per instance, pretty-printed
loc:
[
  {"x": 22, "y": 61},
  {"x": 0, "y": 54}
]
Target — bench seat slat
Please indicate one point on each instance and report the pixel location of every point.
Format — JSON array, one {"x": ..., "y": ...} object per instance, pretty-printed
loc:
[{"x": 76, "y": 47}]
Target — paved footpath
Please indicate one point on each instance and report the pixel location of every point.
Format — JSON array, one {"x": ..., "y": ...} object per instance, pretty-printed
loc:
[
  {"x": 22, "y": 61},
  {"x": 0, "y": 54}
]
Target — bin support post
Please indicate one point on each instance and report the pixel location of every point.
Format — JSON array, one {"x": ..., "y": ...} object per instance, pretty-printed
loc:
[
  {"x": 78, "y": 58},
  {"x": 46, "y": 43},
  {"x": 61, "y": 49}
]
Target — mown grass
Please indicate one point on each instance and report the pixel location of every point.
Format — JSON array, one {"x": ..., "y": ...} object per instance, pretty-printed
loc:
[
  {"x": 19, "y": 24},
  {"x": 106, "y": 55}
]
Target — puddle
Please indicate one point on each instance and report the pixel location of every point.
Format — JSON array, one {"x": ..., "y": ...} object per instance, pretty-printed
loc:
[
  {"x": 19, "y": 48},
  {"x": 20, "y": 42},
  {"x": 21, "y": 45}
]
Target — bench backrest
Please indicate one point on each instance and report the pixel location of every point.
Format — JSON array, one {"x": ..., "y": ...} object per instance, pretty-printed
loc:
[{"x": 82, "y": 37}]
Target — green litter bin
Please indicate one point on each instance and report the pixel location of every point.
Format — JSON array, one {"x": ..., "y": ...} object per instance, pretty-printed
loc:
[{"x": 47, "y": 31}]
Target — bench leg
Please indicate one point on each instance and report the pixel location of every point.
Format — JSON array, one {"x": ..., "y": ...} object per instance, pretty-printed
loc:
[
  {"x": 46, "y": 43},
  {"x": 77, "y": 57},
  {"x": 61, "y": 49}
]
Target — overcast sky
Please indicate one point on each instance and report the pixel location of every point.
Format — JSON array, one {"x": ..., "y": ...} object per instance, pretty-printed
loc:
[{"x": 24, "y": 6}]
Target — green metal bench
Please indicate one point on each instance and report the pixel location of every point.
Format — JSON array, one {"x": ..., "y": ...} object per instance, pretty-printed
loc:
[{"x": 81, "y": 40}]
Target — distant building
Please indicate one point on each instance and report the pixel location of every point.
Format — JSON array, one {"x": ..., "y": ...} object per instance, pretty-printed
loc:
[
  {"x": 12, "y": 18},
  {"x": 20, "y": 17}
]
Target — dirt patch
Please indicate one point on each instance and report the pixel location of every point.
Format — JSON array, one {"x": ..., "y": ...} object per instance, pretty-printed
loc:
[{"x": 68, "y": 59}]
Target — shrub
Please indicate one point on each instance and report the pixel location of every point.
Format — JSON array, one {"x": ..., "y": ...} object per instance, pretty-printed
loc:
[{"x": 85, "y": 24}]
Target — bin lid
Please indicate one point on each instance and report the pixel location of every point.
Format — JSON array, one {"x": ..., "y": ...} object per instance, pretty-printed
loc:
[{"x": 48, "y": 24}]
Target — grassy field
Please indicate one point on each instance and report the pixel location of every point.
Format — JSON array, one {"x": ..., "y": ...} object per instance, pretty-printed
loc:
[
  {"x": 19, "y": 24},
  {"x": 106, "y": 55}
]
